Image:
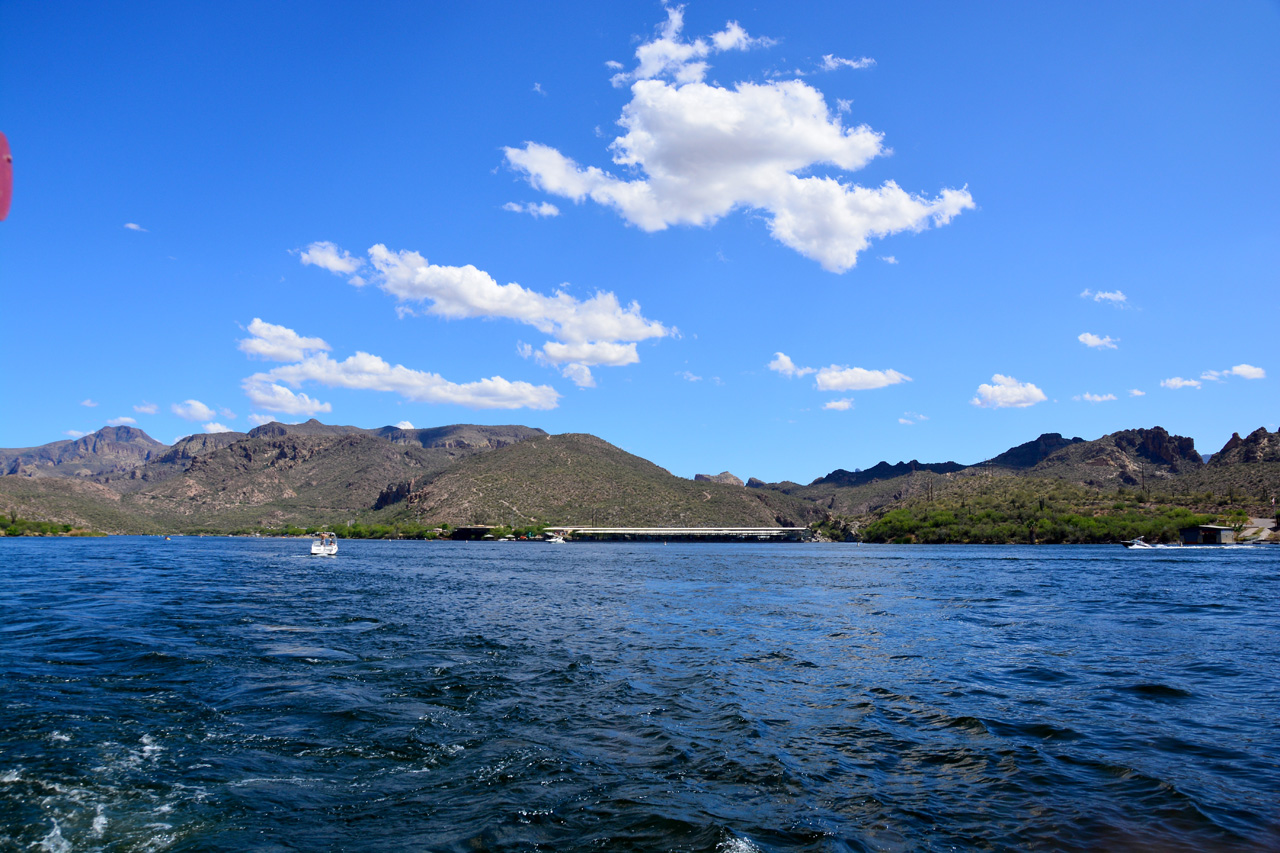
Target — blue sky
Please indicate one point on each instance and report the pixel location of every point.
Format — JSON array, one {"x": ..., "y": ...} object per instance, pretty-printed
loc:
[{"x": 775, "y": 239}]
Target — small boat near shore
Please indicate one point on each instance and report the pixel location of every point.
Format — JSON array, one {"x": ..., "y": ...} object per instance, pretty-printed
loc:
[
  {"x": 1137, "y": 543},
  {"x": 324, "y": 545}
]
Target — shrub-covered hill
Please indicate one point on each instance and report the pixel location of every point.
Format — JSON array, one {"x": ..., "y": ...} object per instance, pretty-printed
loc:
[
  {"x": 1003, "y": 508},
  {"x": 580, "y": 479},
  {"x": 79, "y": 503}
]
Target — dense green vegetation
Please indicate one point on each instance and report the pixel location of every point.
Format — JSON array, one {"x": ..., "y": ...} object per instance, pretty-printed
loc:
[
  {"x": 1024, "y": 510},
  {"x": 15, "y": 526}
]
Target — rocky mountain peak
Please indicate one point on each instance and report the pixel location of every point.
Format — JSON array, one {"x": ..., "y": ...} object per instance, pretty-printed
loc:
[{"x": 723, "y": 477}]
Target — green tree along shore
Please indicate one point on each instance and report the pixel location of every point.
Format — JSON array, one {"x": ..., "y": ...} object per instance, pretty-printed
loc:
[{"x": 15, "y": 526}]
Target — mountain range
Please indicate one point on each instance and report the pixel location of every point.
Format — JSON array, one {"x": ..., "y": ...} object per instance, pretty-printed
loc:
[{"x": 119, "y": 479}]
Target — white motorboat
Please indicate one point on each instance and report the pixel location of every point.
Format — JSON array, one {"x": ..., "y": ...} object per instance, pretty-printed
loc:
[
  {"x": 1137, "y": 543},
  {"x": 324, "y": 545},
  {"x": 555, "y": 539}
]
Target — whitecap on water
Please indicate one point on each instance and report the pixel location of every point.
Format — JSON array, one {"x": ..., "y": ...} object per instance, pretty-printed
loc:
[{"x": 734, "y": 844}]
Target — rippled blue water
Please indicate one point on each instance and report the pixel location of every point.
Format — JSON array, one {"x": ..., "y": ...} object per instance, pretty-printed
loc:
[{"x": 229, "y": 694}]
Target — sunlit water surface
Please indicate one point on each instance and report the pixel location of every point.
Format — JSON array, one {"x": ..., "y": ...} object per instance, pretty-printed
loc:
[{"x": 231, "y": 694}]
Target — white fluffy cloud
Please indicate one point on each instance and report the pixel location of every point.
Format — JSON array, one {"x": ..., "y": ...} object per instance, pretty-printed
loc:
[
  {"x": 783, "y": 364},
  {"x": 328, "y": 256},
  {"x": 121, "y": 421},
  {"x": 1005, "y": 392},
  {"x": 277, "y": 343},
  {"x": 705, "y": 150},
  {"x": 1095, "y": 398},
  {"x": 838, "y": 378},
  {"x": 273, "y": 390},
  {"x": 273, "y": 397},
  {"x": 214, "y": 427},
  {"x": 88, "y": 403},
  {"x": 133, "y": 226},
  {"x": 1091, "y": 340},
  {"x": 258, "y": 420},
  {"x": 404, "y": 425},
  {"x": 1178, "y": 382},
  {"x": 1134, "y": 392},
  {"x": 146, "y": 408},
  {"x": 587, "y": 332},
  {"x": 838, "y": 405},
  {"x": 1248, "y": 371},
  {"x": 193, "y": 410},
  {"x": 579, "y": 374},
  {"x": 75, "y": 433},
  {"x": 1245, "y": 371}
]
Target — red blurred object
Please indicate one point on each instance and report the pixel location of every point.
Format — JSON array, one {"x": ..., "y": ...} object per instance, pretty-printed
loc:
[{"x": 6, "y": 176}]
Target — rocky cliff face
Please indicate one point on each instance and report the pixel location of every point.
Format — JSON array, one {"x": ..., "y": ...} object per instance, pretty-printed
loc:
[
  {"x": 109, "y": 451},
  {"x": 1157, "y": 445},
  {"x": 1259, "y": 446},
  {"x": 723, "y": 477},
  {"x": 1131, "y": 457}
]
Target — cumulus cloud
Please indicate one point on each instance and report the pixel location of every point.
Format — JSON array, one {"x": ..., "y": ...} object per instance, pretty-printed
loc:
[
  {"x": 273, "y": 397},
  {"x": 1091, "y": 340},
  {"x": 698, "y": 151},
  {"x": 589, "y": 352},
  {"x": 889, "y": 259},
  {"x": 1095, "y": 398},
  {"x": 535, "y": 209},
  {"x": 404, "y": 425},
  {"x": 1245, "y": 371},
  {"x": 1248, "y": 371},
  {"x": 328, "y": 256},
  {"x": 838, "y": 378},
  {"x": 121, "y": 421},
  {"x": 1005, "y": 392},
  {"x": 1115, "y": 297},
  {"x": 133, "y": 226},
  {"x": 783, "y": 364},
  {"x": 595, "y": 331},
  {"x": 258, "y": 420},
  {"x": 1178, "y": 382},
  {"x": 275, "y": 389},
  {"x": 214, "y": 427},
  {"x": 89, "y": 403},
  {"x": 1134, "y": 392},
  {"x": 839, "y": 405},
  {"x": 579, "y": 374},
  {"x": 145, "y": 408},
  {"x": 75, "y": 433},
  {"x": 277, "y": 343},
  {"x": 193, "y": 410}
]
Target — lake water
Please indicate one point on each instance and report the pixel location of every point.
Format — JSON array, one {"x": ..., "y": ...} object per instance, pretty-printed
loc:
[{"x": 232, "y": 694}]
